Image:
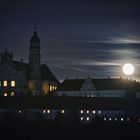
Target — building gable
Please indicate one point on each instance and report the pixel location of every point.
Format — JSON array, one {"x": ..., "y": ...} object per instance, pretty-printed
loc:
[{"x": 7, "y": 67}]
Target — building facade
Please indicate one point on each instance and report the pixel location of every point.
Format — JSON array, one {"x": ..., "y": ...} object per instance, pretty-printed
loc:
[
  {"x": 19, "y": 78},
  {"x": 88, "y": 89}
]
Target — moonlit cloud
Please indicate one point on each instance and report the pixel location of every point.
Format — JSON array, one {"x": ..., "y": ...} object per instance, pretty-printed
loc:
[
  {"x": 57, "y": 66},
  {"x": 126, "y": 40},
  {"x": 115, "y": 40},
  {"x": 79, "y": 69}
]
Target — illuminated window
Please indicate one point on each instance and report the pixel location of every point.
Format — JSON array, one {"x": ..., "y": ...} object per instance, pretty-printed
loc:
[
  {"x": 12, "y": 94},
  {"x": 87, "y": 111},
  {"x": 13, "y": 83},
  {"x": 104, "y": 119},
  {"x": 48, "y": 111},
  {"x": 44, "y": 111},
  {"x": 121, "y": 119},
  {"x": 128, "y": 119},
  {"x": 110, "y": 119},
  {"x": 115, "y": 119},
  {"x": 5, "y": 83},
  {"x": 55, "y": 88},
  {"x": 45, "y": 87},
  {"x": 82, "y": 111},
  {"x": 5, "y": 94},
  {"x": 94, "y": 111},
  {"x": 99, "y": 111},
  {"x": 19, "y": 111},
  {"x": 81, "y": 118},
  {"x": 62, "y": 111},
  {"x": 51, "y": 88},
  {"x": 87, "y": 118}
]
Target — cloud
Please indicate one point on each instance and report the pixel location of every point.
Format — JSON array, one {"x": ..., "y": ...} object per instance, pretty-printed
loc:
[
  {"x": 79, "y": 69},
  {"x": 57, "y": 66},
  {"x": 99, "y": 63},
  {"x": 126, "y": 40},
  {"x": 109, "y": 40}
]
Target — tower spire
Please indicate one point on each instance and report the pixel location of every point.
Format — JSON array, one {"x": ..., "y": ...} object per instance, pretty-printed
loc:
[
  {"x": 34, "y": 84},
  {"x": 35, "y": 30}
]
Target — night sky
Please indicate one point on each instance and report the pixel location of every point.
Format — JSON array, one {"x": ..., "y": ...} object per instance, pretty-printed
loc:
[{"x": 78, "y": 37}]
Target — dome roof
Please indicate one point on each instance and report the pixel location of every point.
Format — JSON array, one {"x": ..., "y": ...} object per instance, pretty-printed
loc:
[{"x": 35, "y": 38}]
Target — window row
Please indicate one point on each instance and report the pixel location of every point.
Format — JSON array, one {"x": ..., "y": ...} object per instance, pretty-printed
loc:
[
  {"x": 53, "y": 88},
  {"x": 116, "y": 119},
  {"x": 7, "y": 94},
  {"x": 49, "y": 111},
  {"x": 82, "y": 118},
  {"x": 87, "y": 111},
  {"x": 5, "y": 83}
]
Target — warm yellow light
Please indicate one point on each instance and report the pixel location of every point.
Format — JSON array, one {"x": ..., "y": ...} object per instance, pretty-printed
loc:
[
  {"x": 5, "y": 83},
  {"x": 45, "y": 87},
  {"x": 44, "y": 111},
  {"x": 55, "y": 88},
  {"x": 13, "y": 83},
  {"x": 48, "y": 111},
  {"x": 128, "y": 69},
  {"x": 31, "y": 85},
  {"x": 5, "y": 94},
  {"x": 12, "y": 94},
  {"x": 82, "y": 118},
  {"x": 63, "y": 111},
  {"x": 51, "y": 88}
]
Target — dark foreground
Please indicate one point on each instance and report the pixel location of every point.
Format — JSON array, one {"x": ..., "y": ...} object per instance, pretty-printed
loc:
[{"x": 56, "y": 130}]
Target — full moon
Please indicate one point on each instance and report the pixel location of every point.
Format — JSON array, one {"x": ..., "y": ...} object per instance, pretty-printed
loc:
[{"x": 128, "y": 69}]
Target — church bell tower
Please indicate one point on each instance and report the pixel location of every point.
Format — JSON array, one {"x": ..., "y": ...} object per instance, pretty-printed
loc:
[{"x": 34, "y": 85}]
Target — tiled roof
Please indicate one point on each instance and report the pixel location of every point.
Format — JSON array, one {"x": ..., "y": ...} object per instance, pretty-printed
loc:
[
  {"x": 46, "y": 73},
  {"x": 20, "y": 65}
]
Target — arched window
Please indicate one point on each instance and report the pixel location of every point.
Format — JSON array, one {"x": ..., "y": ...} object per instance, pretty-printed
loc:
[
  {"x": 5, "y": 94},
  {"x": 51, "y": 88},
  {"x": 12, "y": 93},
  {"x": 5, "y": 83},
  {"x": 55, "y": 88},
  {"x": 13, "y": 83}
]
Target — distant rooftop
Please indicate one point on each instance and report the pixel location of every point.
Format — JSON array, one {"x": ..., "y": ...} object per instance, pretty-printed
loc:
[{"x": 100, "y": 84}]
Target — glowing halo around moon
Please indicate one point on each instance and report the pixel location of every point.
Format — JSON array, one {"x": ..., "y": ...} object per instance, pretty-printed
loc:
[{"x": 128, "y": 69}]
